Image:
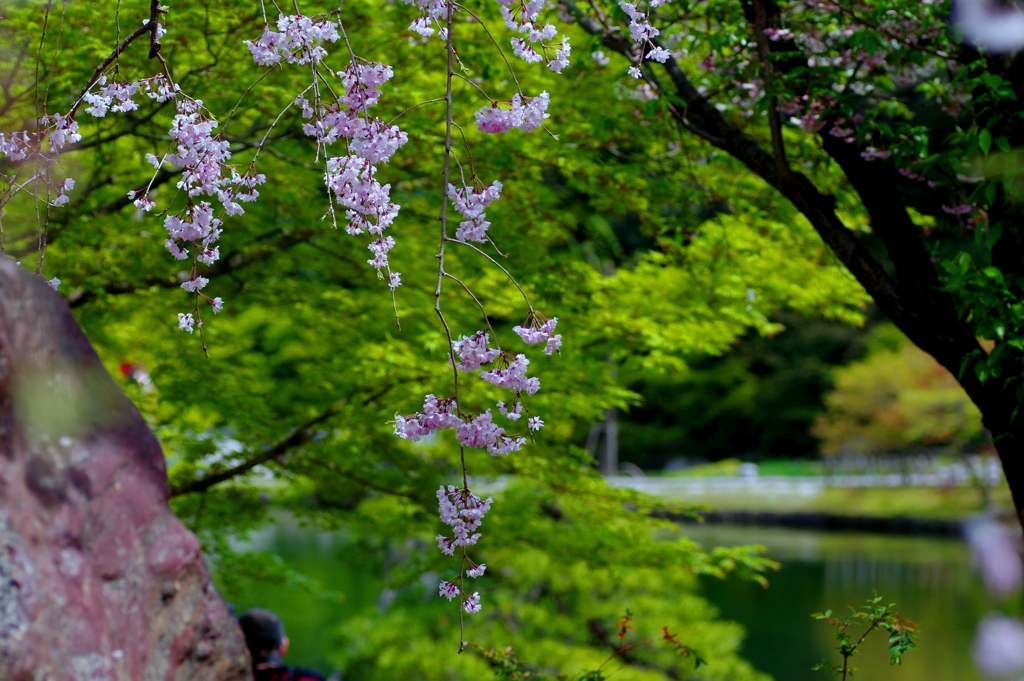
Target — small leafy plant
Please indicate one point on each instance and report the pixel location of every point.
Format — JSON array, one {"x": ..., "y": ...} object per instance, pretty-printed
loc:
[{"x": 872, "y": 616}]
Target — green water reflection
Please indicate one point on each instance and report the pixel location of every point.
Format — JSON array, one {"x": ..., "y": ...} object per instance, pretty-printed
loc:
[
  {"x": 931, "y": 580},
  {"x": 311, "y": 621}
]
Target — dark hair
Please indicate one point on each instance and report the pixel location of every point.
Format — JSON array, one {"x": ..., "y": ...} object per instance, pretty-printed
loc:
[{"x": 263, "y": 632}]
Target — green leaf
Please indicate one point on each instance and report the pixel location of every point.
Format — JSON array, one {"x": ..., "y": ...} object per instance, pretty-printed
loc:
[
  {"x": 985, "y": 141},
  {"x": 994, "y": 273},
  {"x": 995, "y": 230},
  {"x": 981, "y": 370}
]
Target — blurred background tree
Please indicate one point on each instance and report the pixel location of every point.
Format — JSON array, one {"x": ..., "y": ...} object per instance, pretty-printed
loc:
[{"x": 897, "y": 399}]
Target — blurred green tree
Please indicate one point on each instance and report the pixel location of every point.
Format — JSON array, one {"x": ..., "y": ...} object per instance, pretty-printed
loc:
[{"x": 897, "y": 399}]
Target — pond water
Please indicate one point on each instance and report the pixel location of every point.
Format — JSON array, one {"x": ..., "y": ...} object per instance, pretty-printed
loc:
[{"x": 931, "y": 580}]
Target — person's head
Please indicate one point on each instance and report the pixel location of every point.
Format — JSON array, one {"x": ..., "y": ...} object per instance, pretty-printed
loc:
[{"x": 264, "y": 634}]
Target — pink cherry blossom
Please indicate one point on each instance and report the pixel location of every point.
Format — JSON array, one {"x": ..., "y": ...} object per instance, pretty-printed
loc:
[
  {"x": 472, "y": 603},
  {"x": 464, "y": 512},
  {"x": 526, "y": 117},
  {"x": 186, "y": 322},
  {"x": 471, "y": 204},
  {"x": 540, "y": 333},
  {"x": 473, "y": 351},
  {"x": 296, "y": 41},
  {"x": 999, "y": 646},
  {"x": 437, "y": 414},
  {"x": 659, "y": 54},
  {"x": 513, "y": 377},
  {"x": 997, "y": 554},
  {"x": 448, "y": 590},
  {"x": 480, "y": 432}
]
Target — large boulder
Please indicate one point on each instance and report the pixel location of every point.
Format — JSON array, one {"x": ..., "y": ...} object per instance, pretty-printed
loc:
[{"x": 98, "y": 579}]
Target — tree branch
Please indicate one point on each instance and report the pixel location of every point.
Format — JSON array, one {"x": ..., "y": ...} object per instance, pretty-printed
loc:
[
  {"x": 299, "y": 437},
  {"x": 150, "y": 27}
]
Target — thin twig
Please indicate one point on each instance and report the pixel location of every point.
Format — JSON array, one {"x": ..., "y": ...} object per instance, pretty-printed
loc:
[
  {"x": 476, "y": 300},
  {"x": 415, "y": 106},
  {"x": 483, "y": 25},
  {"x": 498, "y": 265}
]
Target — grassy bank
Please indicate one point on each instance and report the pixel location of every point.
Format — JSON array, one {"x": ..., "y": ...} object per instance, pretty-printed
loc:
[{"x": 953, "y": 503}]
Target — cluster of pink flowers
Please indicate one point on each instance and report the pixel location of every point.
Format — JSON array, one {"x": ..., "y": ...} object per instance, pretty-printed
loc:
[
  {"x": 203, "y": 158},
  {"x": 776, "y": 34},
  {"x": 526, "y": 117},
  {"x": 523, "y": 16},
  {"x": 352, "y": 179},
  {"x": 15, "y": 145},
  {"x": 62, "y": 192},
  {"x": 535, "y": 331},
  {"x": 473, "y": 351},
  {"x": 437, "y": 414},
  {"x": 435, "y": 11},
  {"x": 361, "y": 82},
  {"x": 871, "y": 154},
  {"x": 464, "y": 512},
  {"x": 59, "y": 130},
  {"x": 812, "y": 110},
  {"x": 642, "y": 32},
  {"x": 471, "y": 204},
  {"x": 513, "y": 376},
  {"x": 201, "y": 155},
  {"x": 112, "y": 96},
  {"x": 640, "y": 28},
  {"x": 296, "y": 41}
]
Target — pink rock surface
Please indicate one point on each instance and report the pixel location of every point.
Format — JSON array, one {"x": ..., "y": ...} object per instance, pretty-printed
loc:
[{"x": 98, "y": 579}]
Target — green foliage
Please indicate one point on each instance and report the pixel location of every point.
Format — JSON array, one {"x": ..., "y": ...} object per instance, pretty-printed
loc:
[
  {"x": 648, "y": 253},
  {"x": 872, "y": 616},
  {"x": 557, "y": 589},
  {"x": 897, "y": 398}
]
